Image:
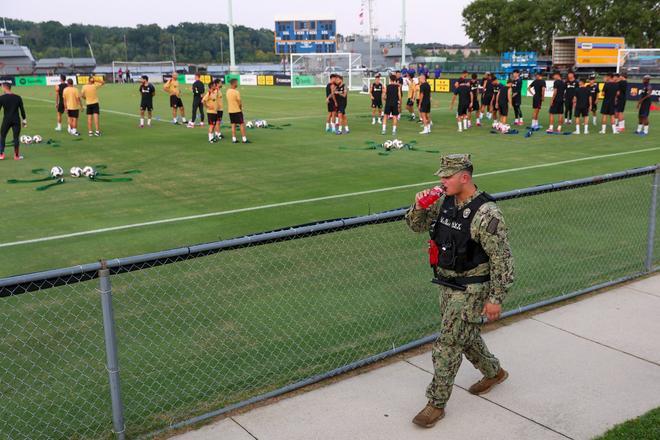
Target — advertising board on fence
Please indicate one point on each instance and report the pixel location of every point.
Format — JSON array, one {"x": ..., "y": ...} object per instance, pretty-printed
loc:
[
  {"x": 84, "y": 79},
  {"x": 282, "y": 80},
  {"x": 265, "y": 80},
  {"x": 304, "y": 80},
  {"x": 441, "y": 85},
  {"x": 30, "y": 81},
  {"x": 248, "y": 80}
]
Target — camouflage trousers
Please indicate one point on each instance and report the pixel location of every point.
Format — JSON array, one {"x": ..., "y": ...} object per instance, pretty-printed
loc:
[{"x": 460, "y": 334}]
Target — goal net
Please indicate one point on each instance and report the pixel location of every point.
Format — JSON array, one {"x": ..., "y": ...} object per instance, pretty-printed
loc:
[
  {"x": 639, "y": 62},
  {"x": 314, "y": 69},
  {"x": 135, "y": 69}
]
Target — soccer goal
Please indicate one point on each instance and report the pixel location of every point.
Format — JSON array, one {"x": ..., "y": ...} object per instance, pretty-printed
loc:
[
  {"x": 314, "y": 69},
  {"x": 153, "y": 69},
  {"x": 639, "y": 62}
]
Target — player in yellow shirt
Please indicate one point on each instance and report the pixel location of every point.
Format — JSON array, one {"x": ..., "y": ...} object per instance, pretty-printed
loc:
[
  {"x": 72, "y": 106},
  {"x": 212, "y": 100},
  {"x": 412, "y": 94},
  {"x": 172, "y": 89},
  {"x": 91, "y": 97},
  {"x": 235, "y": 109}
]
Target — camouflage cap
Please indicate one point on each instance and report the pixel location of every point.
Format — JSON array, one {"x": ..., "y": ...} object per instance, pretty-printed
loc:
[{"x": 451, "y": 164}]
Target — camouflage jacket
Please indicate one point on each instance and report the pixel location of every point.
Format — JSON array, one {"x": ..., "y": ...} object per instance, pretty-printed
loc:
[{"x": 488, "y": 229}]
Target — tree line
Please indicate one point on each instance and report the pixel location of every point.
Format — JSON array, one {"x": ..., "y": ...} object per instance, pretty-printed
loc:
[
  {"x": 503, "y": 25},
  {"x": 193, "y": 42}
]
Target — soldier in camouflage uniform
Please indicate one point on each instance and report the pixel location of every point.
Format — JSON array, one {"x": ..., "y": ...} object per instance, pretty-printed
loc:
[{"x": 474, "y": 270}]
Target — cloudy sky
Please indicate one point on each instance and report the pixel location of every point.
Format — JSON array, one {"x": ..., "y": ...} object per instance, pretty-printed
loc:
[{"x": 428, "y": 20}]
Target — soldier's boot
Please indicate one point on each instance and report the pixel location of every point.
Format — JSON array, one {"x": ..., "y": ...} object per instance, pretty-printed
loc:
[
  {"x": 429, "y": 416},
  {"x": 486, "y": 384}
]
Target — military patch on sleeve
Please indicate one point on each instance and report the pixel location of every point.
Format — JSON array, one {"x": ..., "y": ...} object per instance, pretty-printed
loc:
[{"x": 492, "y": 225}]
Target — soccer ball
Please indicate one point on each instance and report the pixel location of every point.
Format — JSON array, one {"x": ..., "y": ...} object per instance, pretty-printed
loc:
[
  {"x": 504, "y": 128},
  {"x": 249, "y": 124},
  {"x": 190, "y": 124},
  {"x": 56, "y": 172},
  {"x": 398, "y": 144},
  {"x": 259, "y": 124},
  {"x": 37, "y": 139},
  {"x": 89, "y": 172},
  {"x": 264, "y": 123},
  {"x": 75, "y": 171},
  {"x": 25, "y": 139},
  {"x": 388, "y": 145}
]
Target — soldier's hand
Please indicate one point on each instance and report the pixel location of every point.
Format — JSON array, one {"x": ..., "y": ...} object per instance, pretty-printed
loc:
[
  {"x": 419, "y": 195},
  {"x": 492, "y": 311}
]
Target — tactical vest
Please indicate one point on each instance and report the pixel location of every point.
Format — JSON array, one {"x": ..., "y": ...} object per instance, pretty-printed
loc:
[{"x": 451, "y": 232}]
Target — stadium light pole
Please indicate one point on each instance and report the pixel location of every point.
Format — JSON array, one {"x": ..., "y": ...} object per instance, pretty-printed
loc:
[
  {"x": 232, "y": 57},
  {"x": 371, "y": 36},
  {"x": 403, "y": 33}
]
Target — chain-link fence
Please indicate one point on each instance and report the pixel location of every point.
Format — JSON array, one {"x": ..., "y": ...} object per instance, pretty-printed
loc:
[{"x": 206, "y": 329}]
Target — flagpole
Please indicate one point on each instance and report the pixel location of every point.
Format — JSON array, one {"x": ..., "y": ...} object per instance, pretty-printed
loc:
[{"x": 403, "y": 33}]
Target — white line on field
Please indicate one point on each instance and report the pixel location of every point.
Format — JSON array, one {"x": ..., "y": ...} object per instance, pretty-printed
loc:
[{"x": 299, "y": 202}]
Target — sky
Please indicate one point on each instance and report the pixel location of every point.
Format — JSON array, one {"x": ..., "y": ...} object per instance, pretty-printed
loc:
[{"x": 428, "y": 21}]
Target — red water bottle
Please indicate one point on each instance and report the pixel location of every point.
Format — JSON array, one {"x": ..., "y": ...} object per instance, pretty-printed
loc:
[{"x": 429, "y": 199}]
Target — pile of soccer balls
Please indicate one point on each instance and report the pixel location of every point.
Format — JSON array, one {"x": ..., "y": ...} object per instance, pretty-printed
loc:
[
  {"x": 89, "y": 172},
  {"x": 26, "y": 140},
  {"x": 259, "y": 123},
  {"x": 502, "y": 128},
  {"x": 395, "y": 144}
]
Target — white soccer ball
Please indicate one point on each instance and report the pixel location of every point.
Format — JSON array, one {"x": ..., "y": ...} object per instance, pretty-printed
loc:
[
  {"x": 190, "y": 124},
  {"x": 25, "y": 139},
  {"x": 56, "y": 171},
  {"x": 259, "y": 123},
  {"x": 504, "y": 128},
  {"x": 76, "y": 171},
  {"x": 264, "y": 123},
  {"x": 388, "y": 145},
  {"x": 398, "y": 144},
  {"x": 249, "y": 124},
  {"x": 89, "y": 172},
  {"x": 37, "y": 139}
]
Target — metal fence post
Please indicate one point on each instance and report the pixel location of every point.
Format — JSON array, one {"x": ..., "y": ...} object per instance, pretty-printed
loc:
[
  {"x": 111, "y": 352},
  {"x": 650, "y": 239}
]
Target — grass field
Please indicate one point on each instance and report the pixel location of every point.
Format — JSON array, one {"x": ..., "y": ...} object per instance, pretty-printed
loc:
[{"x": 182, "y": 175}]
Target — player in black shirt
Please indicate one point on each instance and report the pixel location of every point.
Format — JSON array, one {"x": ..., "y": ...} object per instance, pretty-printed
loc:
[
  {"x": 608, "y": 107},
  {"x": 147, "y": 92},
  {"x": 59, "y": 101},
  {"x": 486, "y": 97},
  {"x": 198, "y": 92},
  {"x": 621, "y": 101},
  {"x": 462, "y": 91},
  {"x": 645, "y": 94},
  {"x": 376, "y": 93},
  {"x": 516, "y": 97},
  {"x": 504, "y": 99},
  {"x": 341, "y": 96},
  {"x": 593, "y": 86},
  {"x": 331, "y": 102},
  {"x": 424, "y": 103},
  {"x": 537, "y": 87},
  {"x": 582, "y": 103},
  {"x": 474, "y": 89},
  {"x": 392, "y": 104},
  {"x": 12, "y": 105},
  {"x": 571, "y": 87},
  {"x": 557, "y": 103}
]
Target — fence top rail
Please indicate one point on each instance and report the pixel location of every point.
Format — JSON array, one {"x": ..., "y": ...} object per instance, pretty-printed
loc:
[{"x": 13, "y": 285}]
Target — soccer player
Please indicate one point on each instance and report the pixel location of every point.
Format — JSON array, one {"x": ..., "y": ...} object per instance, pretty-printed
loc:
[
  {"x": 12, "y": 105},
  {"x": 593, "y": 86},
  {"x": 235, "y": 109},
  {"x": 582, "y": 103},
  {"x": 462, "y": 90},
  {"x": 537, "y": 87},
  {"x": 59, "y": 101},
  {"x": 557, "y": 103},
  {"x": 331, "y": 101},
  {"x": 147, "y": 92},
  {"x": 504, "y": 98},
  {"x": 644, "y": 105},
  {"x": 210, "y": 101},
  {"x": 425, "y": 104},
  {"x": 377, "y": 91},
  {"x": 486, "y": 97},
  {"x": 72, "y": 106},
  {"x": 91, "y": 97},
  {"x": 392, "y": 104},
  {"x": 495, "y": 83},
  {"x": 621, "y": 101},
  {"x": 412, "y": 90},
  {"x": 341, "y": 95},
  {"x": 198, "y": 92},
  {"x": 516, "y": 97},
  {"x": 608, "y": 107},
  {"x": 474, "y": 89},
  {"x": 172, "y": 88},
  {"x": 569, "y": 93}
]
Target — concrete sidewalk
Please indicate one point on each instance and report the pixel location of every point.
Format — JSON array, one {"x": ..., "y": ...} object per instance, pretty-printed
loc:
[{"x": 575, "y": 371}]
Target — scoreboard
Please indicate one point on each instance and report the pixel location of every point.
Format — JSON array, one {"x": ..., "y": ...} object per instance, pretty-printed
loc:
[{"x": 305, "y": 35}]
